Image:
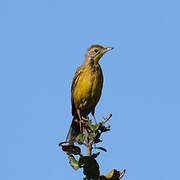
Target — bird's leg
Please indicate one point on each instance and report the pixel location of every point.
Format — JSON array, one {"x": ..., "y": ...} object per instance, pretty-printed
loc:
[
  {"x": 94, "y": 118},
  {"x": 80, "y": 121}
]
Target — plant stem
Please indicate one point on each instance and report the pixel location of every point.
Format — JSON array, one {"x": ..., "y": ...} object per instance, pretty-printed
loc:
[{"x": 89, "y": 148}]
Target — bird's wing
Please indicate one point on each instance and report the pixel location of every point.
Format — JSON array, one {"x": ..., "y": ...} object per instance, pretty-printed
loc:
[{"x": 73, "y": 86}]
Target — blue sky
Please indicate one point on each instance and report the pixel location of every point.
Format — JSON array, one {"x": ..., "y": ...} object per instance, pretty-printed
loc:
[{"x": 41, "y": 44}]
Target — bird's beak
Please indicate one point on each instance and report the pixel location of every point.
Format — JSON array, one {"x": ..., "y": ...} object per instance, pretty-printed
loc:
[{"x": 107, "y": 49}]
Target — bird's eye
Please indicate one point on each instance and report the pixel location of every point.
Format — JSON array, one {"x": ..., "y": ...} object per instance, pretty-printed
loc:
[{"x": 96, "y": 50}]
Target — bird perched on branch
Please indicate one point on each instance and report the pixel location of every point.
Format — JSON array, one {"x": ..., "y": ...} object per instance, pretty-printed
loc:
[{"x": 86, "y": 89}]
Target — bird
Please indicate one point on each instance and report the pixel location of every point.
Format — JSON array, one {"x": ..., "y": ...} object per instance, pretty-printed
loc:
[{"x": 86, "y": 89}]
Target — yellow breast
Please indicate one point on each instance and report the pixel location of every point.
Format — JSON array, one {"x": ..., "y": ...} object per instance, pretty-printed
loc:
[{"x": 88, "y": 88}]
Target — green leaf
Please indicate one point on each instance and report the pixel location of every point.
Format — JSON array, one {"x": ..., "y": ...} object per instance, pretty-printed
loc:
[
  {"x": 101, "y": 124},
  {"x": 101, "y": 148},
  {"x": 71, "y": 149},
  {"x": 92, "y": 135},
  {"x": 93, "y": 127},
  {"x": 95, "y": 155},
  {"x": 90, "y": 125},
  {"x": 83, "y": 160},
  {"x": 80, "y": 138},
  {"x": 97, "y": 126},
  {"x": 61, "y": 143},
  {"x": 73, "y": 162},
  {"x": 97, "y": 141},
  {"x": 114, "y": 174},
  {"x": 103, "y": 128},
  {"x": 90, "y": 167}
]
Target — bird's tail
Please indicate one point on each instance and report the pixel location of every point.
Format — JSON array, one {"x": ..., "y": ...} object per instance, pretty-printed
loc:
[{"x": 74, "y": 130}]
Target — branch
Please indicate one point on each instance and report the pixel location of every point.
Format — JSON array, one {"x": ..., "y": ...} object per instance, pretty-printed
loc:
[
  {"x": 107, "y": 119},
  {"x": 91, "y": 135},
  {"x": 89, "y": 147},
  {"x": 91, "y": 142}
]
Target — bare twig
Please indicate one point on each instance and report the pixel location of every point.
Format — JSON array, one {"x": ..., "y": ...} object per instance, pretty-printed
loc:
[
  {"x": 107, "y": 118},
  {"x": 122, "y": 173}
]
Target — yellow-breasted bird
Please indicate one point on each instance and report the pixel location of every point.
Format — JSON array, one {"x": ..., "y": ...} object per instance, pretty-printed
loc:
[{"x": 86, "y": 89}]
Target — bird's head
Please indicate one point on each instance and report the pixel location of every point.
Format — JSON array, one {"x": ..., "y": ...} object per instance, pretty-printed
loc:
[{"x": 95, "y": 52}]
